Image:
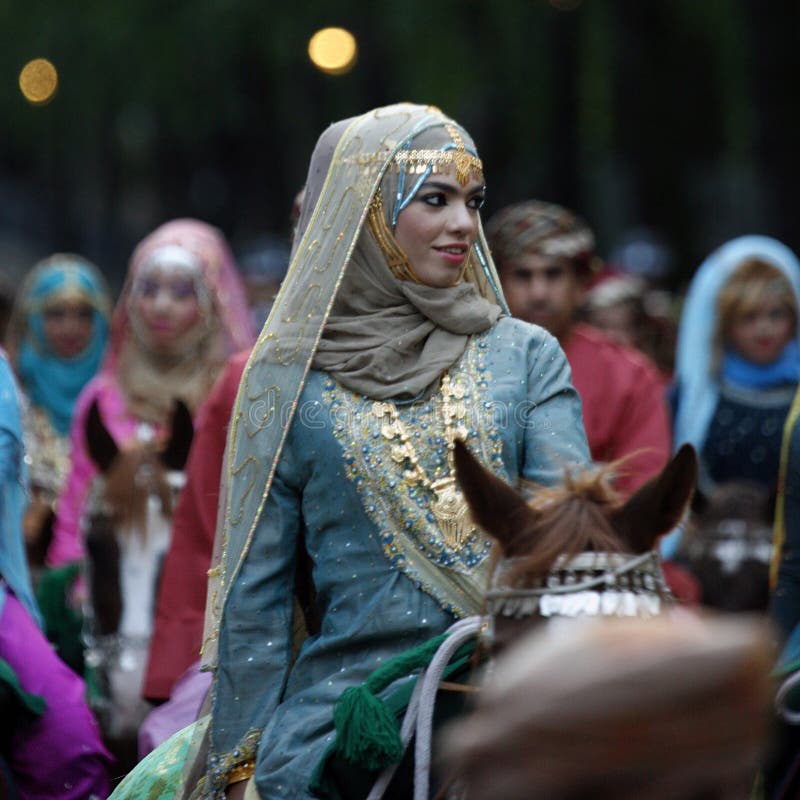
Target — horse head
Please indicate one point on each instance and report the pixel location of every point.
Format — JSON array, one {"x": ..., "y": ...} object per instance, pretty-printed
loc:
[
  {"x": 728, "y": 546},
  {"x": 576, "y": 549},
  {"x": 140, "y": 469},
  {"x": 142, "y": 476}
]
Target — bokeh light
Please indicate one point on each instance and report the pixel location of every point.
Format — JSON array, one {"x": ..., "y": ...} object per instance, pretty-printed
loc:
[
  {"x": 333, "y": 50},
  {"x": 38, "y": 81}
]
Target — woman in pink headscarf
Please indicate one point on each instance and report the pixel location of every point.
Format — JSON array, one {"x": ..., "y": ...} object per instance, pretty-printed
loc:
[{"x": 181, "y": 313}]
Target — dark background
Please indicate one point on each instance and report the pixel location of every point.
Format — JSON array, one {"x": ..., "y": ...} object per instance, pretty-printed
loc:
[{"x": 681, "y": 115}]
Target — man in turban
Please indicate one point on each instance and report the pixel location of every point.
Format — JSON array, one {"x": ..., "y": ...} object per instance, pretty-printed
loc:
[{"x": 545, "y": 256}]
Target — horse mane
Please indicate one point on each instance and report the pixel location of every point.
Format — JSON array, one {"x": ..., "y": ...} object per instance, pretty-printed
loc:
[{"x": 571, "y": 518}]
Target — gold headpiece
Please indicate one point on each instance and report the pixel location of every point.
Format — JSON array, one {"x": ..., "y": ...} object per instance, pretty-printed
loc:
[
  {"x": 439, "y": 161},
  {"x": 466, "y": 163}
]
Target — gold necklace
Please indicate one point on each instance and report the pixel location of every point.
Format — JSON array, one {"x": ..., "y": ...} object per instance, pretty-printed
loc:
[{"x": 448, "y": 506}]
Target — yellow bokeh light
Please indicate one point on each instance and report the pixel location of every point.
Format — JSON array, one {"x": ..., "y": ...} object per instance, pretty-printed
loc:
[
  {"x": 38, "y": 81},
  {"x": 333, "y": 50}
]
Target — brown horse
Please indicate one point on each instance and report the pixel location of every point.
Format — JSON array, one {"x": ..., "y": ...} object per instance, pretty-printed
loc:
[
  {"x": 127, "y": 529},
  {"x": 619, "y": 707}
]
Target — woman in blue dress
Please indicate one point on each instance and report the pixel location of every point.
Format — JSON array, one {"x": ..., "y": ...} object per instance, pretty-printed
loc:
[
  {"x": 57, "y": 339},
  {"x": 389, "y": 340}
]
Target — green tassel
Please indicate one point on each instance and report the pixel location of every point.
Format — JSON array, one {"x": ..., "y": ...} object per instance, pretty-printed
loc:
[{"x": 366, "y": 731}]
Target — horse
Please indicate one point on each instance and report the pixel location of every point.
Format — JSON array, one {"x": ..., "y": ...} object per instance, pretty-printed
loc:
[
  {"x": 728, "y": 547},
  {"x": 639, "y": 705},
  {"x": 574, "y": 550},
  {"x": 127, "y": 530},
  {"x": 618, "y": 574}
]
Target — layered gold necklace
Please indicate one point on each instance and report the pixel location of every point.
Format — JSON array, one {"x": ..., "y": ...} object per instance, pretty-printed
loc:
[{"x": 448, "y": 505}]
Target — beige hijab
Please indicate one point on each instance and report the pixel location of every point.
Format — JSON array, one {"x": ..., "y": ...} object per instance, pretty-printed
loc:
[{"x": 389, "y": 338}]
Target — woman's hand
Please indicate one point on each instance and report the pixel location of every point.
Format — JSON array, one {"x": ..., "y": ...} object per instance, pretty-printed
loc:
[{"x": 236, "y": 790}]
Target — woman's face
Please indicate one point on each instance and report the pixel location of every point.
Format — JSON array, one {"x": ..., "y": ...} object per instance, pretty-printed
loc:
[
  {"x": 438, "y": 227},
  {"x": 68, "y": 326},
  {"x": 760, "y": 334},
  {"x": 165, "y": 302}
]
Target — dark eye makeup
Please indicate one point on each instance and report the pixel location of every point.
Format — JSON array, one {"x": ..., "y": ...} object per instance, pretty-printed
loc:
[{"x": 438, "y": 198}]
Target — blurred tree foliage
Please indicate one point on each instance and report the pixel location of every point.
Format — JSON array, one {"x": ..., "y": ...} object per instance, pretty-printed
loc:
[{"x": 675, "y": 114}]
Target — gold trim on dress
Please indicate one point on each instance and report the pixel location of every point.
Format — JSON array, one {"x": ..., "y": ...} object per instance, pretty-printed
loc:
[
  {"x": 448, "y": 505},
  {"x": 242, "y": 772}
]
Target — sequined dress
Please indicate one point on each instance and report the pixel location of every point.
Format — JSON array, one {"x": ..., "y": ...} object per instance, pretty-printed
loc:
[{"x": 386, "y": 578}]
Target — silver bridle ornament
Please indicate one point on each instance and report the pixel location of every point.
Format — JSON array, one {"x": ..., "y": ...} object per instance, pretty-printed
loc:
[{"x": 588, "y": 584}]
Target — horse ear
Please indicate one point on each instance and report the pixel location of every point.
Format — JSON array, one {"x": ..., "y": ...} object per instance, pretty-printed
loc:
[
  {"x": 99, "y": 442},
  {"x": 176, "y": 452},
  {"x": 496, "y": 507},
  {"x": 658, "y": 506}
]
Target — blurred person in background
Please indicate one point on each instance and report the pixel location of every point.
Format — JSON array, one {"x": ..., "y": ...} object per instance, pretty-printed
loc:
[
  {"x": 181, "y": 314},
  {"x": 782, "y": 772},
  {"x": 262, "y": 264},
  {"x": 545, "y": 257},
  {"x": 56, "y": 340},
  {"x": 173, "y": 665},
  {"x": 49, "y": 741},
  {"x": 617, "y": 305},
  {"x": 738, "y": 363},
  {"x": 643, "y": 261}
]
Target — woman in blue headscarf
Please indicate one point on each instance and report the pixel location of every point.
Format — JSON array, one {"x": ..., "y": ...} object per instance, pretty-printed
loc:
[
  {"x": 57, "y": 338},
  {"x": 738, "y": 362},
  {"x": 44, "y": 712}
]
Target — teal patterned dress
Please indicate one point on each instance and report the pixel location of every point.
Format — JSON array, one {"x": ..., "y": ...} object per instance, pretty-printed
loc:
[{"x": 387, "y": 577}]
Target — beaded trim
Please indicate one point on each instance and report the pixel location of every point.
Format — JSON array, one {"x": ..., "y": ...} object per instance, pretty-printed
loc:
[
  {"x": 47, "y": 455},
  {"x": 402, "y": 511}
]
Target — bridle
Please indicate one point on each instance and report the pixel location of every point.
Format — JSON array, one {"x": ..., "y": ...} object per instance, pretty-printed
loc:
[{"x": 587, "y": 584}]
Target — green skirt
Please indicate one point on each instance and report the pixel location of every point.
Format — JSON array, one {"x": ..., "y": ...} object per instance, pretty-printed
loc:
[{"x": 159, "y": 775}]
